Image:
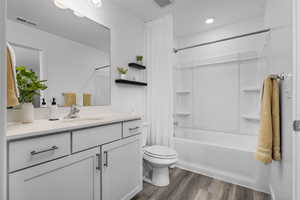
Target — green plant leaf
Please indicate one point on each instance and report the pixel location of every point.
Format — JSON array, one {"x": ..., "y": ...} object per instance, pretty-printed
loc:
[{"x": 28, "y": 84}]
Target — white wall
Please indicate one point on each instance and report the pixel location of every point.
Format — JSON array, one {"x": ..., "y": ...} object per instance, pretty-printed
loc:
[
  {"x": 127, "y": 41},
  {"x": 67, "y": 66},
  {"x": 279, "y": 18},
  {"x": 2, "y": 101}
]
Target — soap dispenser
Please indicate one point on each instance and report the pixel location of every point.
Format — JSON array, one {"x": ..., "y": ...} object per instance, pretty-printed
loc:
[
  {"x": 53, "y": 111},
  {"x": 44, "y": 104}
]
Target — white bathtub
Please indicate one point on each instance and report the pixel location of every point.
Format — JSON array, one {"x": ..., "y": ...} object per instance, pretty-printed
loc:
[{"x": 227, "y": 157}]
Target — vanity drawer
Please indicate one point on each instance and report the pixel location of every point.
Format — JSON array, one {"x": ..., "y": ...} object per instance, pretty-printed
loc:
[
  {"x": 131, "y": 128},
  {"x": 92, "y": 137},
  {"x": 29, "y": 152}
]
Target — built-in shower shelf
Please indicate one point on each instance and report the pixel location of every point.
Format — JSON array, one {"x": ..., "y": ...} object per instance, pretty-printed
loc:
[
  {"x": 183, "y": 92},
  {"x": 183, "y": 114},
  {"x": 251, "y": 117},
  {"x": 251, "y": 89}
]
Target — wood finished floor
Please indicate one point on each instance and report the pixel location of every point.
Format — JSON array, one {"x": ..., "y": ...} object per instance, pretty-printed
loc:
[{"x": 186, "y": 185}]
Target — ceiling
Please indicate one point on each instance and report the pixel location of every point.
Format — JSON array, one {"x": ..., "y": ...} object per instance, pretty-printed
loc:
[
  {"x": 190, "y": 15},
  {"x": 60, "y": 22}
]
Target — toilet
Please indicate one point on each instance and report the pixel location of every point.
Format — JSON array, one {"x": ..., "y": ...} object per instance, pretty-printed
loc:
[{"x": 157, "y": 160}]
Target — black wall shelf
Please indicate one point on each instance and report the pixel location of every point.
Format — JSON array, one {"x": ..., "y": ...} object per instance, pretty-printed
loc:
[
  {"x": 137, "y": 66},
  {"x": 122, "y": 81}
]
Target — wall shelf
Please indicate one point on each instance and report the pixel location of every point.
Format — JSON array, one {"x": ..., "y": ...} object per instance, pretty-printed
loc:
[
  {"x": 183, "y": 92},
  {"x": 137, "y": 83},
  {"x": 251, "y": 117},
  {"x": 184, "y": 114},
  {"x": 137, "y": 66},
  {"x": 251, "y": 89}
]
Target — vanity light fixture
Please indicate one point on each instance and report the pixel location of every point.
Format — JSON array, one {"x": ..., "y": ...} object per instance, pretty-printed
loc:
[
  {"x": 209, "y": 20},
  {"x": 97, "y": 3},
  {"x": 60, "y": 4}
]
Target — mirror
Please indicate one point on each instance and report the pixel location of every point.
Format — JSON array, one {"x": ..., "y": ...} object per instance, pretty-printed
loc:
[{"x": 70, "y": 51}]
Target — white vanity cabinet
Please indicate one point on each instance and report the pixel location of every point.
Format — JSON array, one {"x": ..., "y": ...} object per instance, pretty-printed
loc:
[
  {"x": 95, "y": 163},
  {"x": 76, "y": 177},
  {"x": 122, "y": 169}
]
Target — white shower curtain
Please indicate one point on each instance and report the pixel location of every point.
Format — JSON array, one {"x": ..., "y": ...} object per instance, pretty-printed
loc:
[{"x": 159, "y": 55}]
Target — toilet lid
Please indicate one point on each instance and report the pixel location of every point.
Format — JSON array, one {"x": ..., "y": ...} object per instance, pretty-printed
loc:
[{"x": 160, "y": 152}]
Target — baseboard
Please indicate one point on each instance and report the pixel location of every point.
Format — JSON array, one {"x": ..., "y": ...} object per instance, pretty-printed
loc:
[
  {"x": 272, "y": 192},
  {"x": 213, "y": 174}
]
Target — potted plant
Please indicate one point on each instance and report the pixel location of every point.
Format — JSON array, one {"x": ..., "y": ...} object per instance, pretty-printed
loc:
[
  {"x": 122, "y": 71},
  {"x": 28, "y": 86},
  {"x": 139, "y": 60}
]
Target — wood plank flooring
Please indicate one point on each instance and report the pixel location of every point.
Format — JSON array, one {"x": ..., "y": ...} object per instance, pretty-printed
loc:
[{"x": 186, "y": 185}]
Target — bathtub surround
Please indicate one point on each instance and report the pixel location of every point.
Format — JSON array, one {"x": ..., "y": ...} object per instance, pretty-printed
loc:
[
  {"x": 159, "y": 58},
  {"x": 221, "y": 106},
  {"x": 268, "y": 145}
]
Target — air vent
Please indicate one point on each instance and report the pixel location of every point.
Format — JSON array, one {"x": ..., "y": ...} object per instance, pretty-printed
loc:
[
  {"x": 164, "y": 3},
  {"x": 25, "y": 21}
]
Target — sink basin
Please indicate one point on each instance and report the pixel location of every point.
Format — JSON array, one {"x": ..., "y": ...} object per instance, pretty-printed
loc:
[{"x": 83, "y": 119}]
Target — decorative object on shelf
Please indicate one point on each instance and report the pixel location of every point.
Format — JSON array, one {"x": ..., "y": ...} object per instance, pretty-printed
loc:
[
  {"x": 123, "y": 72},
  {"x": 28, "y": 86},
  {"x": 69, "y": 99},
  {"x": 139, "y": 60},
  {"x": 87, "y": 99},
  {"x": 137, "y": 83}
]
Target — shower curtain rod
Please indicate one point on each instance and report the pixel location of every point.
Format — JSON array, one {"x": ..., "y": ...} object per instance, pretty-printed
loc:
[
  {"x": 102, "y": 67},
  {"x": 222, "y": 40}
]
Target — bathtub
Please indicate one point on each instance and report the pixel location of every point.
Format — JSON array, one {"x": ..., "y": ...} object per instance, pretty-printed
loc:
[{"x": 228, "y": 157}]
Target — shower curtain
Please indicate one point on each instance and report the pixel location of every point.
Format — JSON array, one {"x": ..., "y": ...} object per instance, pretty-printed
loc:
[{"x": 159, "y": 54}]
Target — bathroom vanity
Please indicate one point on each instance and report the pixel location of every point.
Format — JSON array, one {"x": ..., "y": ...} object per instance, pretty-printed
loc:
[{"x": 80, "y": 159}]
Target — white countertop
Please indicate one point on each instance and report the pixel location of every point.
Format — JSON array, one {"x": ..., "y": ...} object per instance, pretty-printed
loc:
[{"x": 16, "y": 130}]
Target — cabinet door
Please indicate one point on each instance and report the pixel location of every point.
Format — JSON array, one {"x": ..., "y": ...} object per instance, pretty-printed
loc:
[
  {"x": 75, "y": 177},
  {"x": 122, "y": 169}
]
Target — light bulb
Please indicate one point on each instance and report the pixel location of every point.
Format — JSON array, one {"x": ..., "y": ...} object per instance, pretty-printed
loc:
[
  {"x": 60, "y": 4},
  {"x": 97, "y": 3},
  {"x": 78, "y": 14},
  {"x": 209, "y": 20}
]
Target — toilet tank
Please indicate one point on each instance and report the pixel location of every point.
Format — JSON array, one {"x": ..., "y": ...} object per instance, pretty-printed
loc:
[{"x": 145, "y": 131}]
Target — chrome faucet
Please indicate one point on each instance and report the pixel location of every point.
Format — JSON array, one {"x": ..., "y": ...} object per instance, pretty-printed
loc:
[{"x": 74, "y": 112}]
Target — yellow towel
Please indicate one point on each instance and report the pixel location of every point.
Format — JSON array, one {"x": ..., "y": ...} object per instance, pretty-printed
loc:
[
  {"x": 268, "y": 145},
  {"x": 70, "y": 99},
  {"x": 12, "y": 99}
]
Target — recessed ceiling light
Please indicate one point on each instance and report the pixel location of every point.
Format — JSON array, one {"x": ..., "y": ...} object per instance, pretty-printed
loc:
[
  {"x": 60, "y": 4},
  {"x": 97, "y": 3},
  {"x": 209, "y": 20}
]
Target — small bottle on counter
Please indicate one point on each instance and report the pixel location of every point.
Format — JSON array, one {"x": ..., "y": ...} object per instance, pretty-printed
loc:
[
  {"x": 53, "y": 115},
  {"x": 44, "y": 104}
]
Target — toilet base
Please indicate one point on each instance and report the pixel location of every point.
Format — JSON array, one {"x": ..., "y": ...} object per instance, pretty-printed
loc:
[{"x": 160, "y": 176}]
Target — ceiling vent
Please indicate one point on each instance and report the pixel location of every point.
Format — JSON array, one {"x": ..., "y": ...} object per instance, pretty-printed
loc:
[
  {"x": 164, "y": 3},
  {"x": 25, "y": 21}
]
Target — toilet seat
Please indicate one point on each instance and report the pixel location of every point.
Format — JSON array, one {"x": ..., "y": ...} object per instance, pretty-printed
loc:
[{"x": 160, "y": 152}]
